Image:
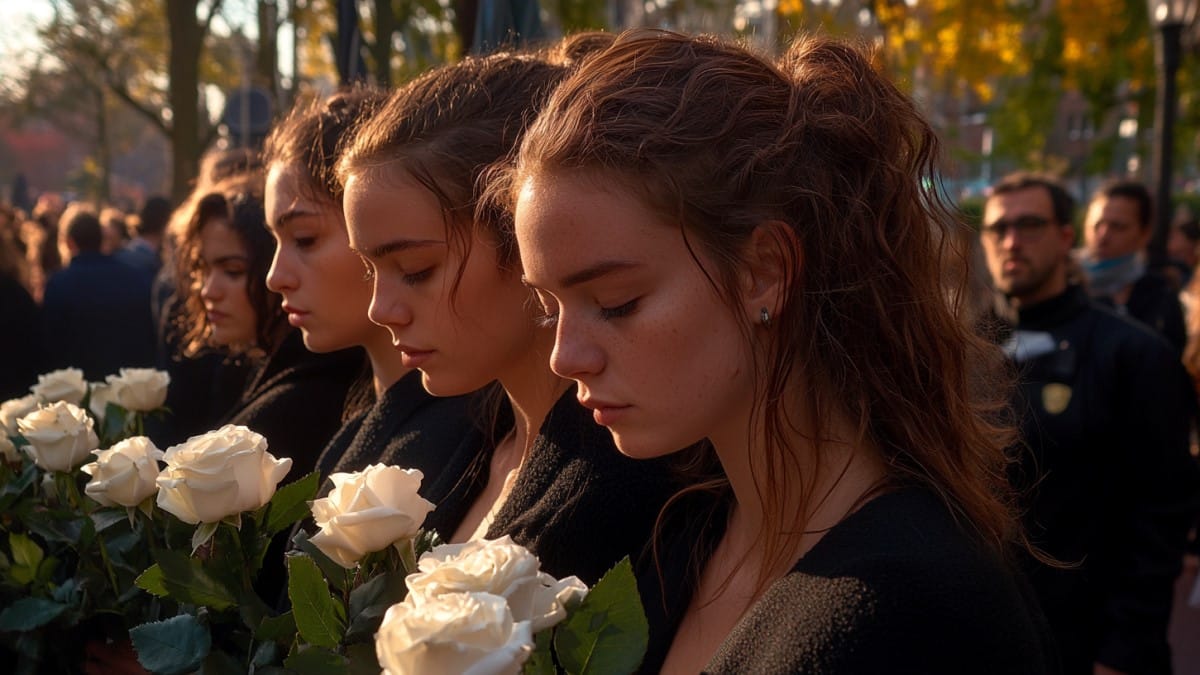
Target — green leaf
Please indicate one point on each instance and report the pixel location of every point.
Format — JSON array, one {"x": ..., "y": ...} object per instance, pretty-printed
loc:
[
  {"x": 290, "y": 503},
  {"x": 152, "y": 581},
  {"x": 186, "y": 580},
  {"x": 316, "y": 661},
  {"x": 363, "y": 660},
  {"x": 266, "y": 654},
  {"x": 28, "y": 476},
  {"x": 278, "y": 628},
  {"x": 177, "y": 645},
  {"x": 27, "y": 614},
  {"x": 541, "y": 661},
  {"x": 25, "y": 551},
  {"x": 106, "y": 518},
  {"x": 204, "y": 532},
  {"x": 608, "y": 632},
  {"x": 114, "y": 422},
  {"x": 337, "y": 575},
  {"x": 369, "y": 602},
  {"x": 320, "y": 618}
]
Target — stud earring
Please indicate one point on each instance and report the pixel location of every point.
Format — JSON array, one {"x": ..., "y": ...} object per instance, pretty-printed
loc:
[{"x": 765, "y": 317}]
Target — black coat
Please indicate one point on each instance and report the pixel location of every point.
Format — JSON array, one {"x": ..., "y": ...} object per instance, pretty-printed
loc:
[
  {"x": 896, "y": 587},
  {"x": 406, "y": 427},
  {"x": 21, "y": 355},
  {"x": 1111, "y": 486},
  {"x": 96, "y": 316},
  {"x": 1155, "y": 303},
  {"x": 295, "y": 399},
  {"x": 578, "y": 503}
]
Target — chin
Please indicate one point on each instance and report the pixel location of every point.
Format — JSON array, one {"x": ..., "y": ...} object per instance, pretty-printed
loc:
[
  {"x": 440, "y": 385},
  {"x": 639, "y": 448}
]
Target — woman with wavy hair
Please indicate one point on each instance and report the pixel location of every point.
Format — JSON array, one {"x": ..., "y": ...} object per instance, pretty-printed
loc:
[
  {"x": 292, "y": 397},
  {"x": 447, "y": 286},
  {"x": 749, "y": 254}
]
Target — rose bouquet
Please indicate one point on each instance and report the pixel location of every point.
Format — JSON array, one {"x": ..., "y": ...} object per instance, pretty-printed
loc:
[
  {"x": 480, "y": 607},
  {"x": 71, "y": 537}
]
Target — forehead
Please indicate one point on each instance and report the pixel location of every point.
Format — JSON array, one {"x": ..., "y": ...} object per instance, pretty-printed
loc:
[
  {"x": 289, "y": 188},
  {"x": 1029, "y": 201},
  {"x": 217, "y": 239},
  {"x": 384, "y": 205},
  {"x": 1115, "y": 208}
]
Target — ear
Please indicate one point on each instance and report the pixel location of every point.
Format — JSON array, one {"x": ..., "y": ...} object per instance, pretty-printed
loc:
[
  {"x": 1066, "y": 235},
  {"x": 771, "y": 260}
]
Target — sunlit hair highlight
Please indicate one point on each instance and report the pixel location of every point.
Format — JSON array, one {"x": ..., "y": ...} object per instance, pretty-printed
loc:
[{"x": 720, "y": 141}]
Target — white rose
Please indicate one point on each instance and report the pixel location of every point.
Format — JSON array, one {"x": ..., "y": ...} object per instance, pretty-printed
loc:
[
  {"x": 499, "y": 567},
  {"x": 125, "y": 474},
  {"x": 102, "y": 395},
  {"x": 14, "y": 409},
  {"x": 218, "y": 474},
  {"x": 8, "y": 451},
  {"x": 139, "y": 389},
  {"x": 60, "y": 436},
  {"x": 61, "y": 385},
  {"x": 467, "y": 633},
  {"x": 368, "y": 511}
]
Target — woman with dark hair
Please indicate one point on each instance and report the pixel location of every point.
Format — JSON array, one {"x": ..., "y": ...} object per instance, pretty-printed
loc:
[
  {"x": 447, "y": 285},
  {"x": 292, "y": 397},
  {"x": 326, "y": 294},
  {"x": 747, "y": 253}
]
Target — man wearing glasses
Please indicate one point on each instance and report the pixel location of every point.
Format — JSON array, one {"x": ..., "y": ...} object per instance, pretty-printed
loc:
[{"x": 1108, "y": 484}]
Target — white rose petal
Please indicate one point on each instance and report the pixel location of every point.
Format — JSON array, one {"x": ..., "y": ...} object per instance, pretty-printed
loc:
[
  {"x": 500, "y": 567},
  {"x": 102, "y": 395},
  {"x": 14, "y": 409},
  {"x": 368, "y": 511},
  {"x": 60, "y": 435},
  {"x": 139, "y": 389},
  {"x": 218, "y": 474},
  {"x": 61, "y": 385},
  {"x": 457, "y": 633},
  {"x": 125, "y": 474}
]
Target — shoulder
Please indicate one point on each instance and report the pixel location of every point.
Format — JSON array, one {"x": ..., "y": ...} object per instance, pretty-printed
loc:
[{"x": 897, "y": 587}]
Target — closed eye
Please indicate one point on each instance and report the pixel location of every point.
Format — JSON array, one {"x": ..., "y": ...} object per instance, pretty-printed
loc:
[{"x": 610, "y": 313}]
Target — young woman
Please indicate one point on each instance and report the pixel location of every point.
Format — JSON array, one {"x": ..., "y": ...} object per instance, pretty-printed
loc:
[
  {"x": 448, "y": 288},
  {"x": 292, "y": 397},
  {"x": 326, "y": 294},
  {"x": 745, "y": 252}
]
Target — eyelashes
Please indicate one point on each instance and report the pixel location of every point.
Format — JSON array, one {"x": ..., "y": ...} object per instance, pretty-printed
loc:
[{"x": 549, "y": 319}]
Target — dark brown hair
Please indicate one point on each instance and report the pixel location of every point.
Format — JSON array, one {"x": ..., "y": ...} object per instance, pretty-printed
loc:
[
  {"x": 720, "y": 141},
  {"x": 1062, "y": 201},
  {"x": 448, "y": 128},
  {"x": 237, "y": 201},
  {"x": 1134, "y": 191},
  {"x": 313, "y": 135}
]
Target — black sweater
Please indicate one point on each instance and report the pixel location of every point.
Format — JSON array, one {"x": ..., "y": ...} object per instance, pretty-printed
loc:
[
  {"x": 406, "y": 427},
  {"x": 295, "y": 399},
  {"x": 896, "y": 587},
  {"x": 578, "y": 503}
]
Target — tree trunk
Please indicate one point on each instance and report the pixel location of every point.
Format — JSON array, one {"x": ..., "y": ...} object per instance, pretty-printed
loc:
[
  {"x": 103, "y": 147},
  {"x": 187, "y": 41},
  {"x": 386, "y": 26},
  {"x": 266, "y": 66}
]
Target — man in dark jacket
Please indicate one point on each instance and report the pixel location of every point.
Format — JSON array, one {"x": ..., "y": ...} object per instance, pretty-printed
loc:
[
  {"x": 96, "y": 311},
  {"x": 1109, "y": 483},
  {"x": 1116, "y": 229}
]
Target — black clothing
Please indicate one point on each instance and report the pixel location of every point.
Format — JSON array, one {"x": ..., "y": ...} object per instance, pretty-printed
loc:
[
  {"x": 96, "y": 317},
  {"x": 407, "y": 427},
  {"x": 295, "y": 398},
  {"x": 1103, "y": 405},
  {"x": 21, "y": 356},
  {"x": 896, "y": 587},
  {"x": 578, "y": 504},
  {"x": 1153, "y": 302}
]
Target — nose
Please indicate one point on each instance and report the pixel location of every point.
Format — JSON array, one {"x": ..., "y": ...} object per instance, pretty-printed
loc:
[
  {"x": 210, "y": 288},
  {"x": 279, "y": 276},
  {"x": 576, "y": 354},
  {"x": 388, "y": 308}
]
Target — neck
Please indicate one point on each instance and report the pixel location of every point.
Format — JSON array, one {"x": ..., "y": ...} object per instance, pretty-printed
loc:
[
  {"x": 532, "y": 390},
  {"x": 825, "y": 483},
  {"x": 386, "y": 365}
]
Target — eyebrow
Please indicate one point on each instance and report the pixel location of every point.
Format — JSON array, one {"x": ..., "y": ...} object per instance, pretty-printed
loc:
[
  {"x": 396, "y": 245},
  {"x": 229, "y": 258},
  {"x": 596, "y": 271},
  {"x": 290, "y": 214}
]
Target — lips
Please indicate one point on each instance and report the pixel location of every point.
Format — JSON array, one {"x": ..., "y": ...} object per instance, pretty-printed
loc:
[
  {"x": 605, "y": 413},
  {"x": 412, "y": 357},
  {"x": 295, "y": 316}
]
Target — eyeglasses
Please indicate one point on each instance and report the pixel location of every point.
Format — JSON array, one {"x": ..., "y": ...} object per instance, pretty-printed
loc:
[{"x": 1027, "y": 228}]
